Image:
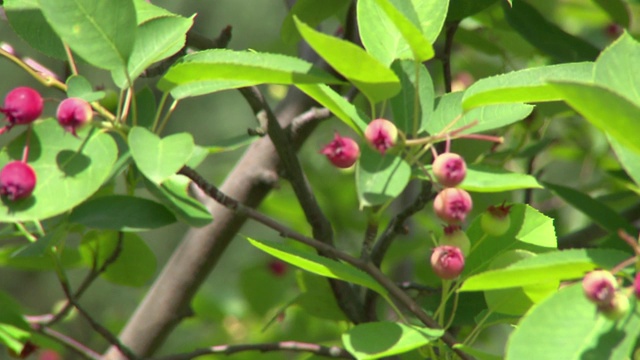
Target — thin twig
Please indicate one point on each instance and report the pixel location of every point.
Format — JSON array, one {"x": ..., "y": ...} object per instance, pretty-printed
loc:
[
  {"x": 67, "y": 342},
  {"x": 287, "y": 232},
  {"x": 294, "y": 346},
  {"x": 450, "y": 32}
]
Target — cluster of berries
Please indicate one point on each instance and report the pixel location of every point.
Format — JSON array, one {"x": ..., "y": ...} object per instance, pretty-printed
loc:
[
  {"x": 602, "y": 289},
  {"x": 22, "y": 106}
]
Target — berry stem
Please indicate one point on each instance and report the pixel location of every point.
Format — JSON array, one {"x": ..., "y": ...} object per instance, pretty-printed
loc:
[
  {"x": 48, "y": 81},
  {"x": 25, "y": 151},
  {"x": 72, "y": 62},
  {"x": 166, "y": 117}
]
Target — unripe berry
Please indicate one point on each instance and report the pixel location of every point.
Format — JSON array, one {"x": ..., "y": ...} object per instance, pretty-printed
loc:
[
  {"x": 381, "y": 134},
  {"x": 73, "y": 113},
  {"x": 496, "y": 220},
  {"x": 22, "y": 105},
  {"x": 599, "y": 287},
  {"x": 452, "y": 205},
  {"x": 447, "y": 262},
  {"x": 617, "y": 308},
  {"x": 454, "y": 236},
  {"x": 449, "y": 169},
  {"x": 342, "y": 151},
  {"x": 17, "y": 180}
]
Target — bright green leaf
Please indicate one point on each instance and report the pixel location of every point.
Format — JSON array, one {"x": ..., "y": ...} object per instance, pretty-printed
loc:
[
  {"x": 617, "y": 70},
  {"x": 146, "y": 11},
  {"x": 159, "y": 158},
  {"x": 122, "y": 213},
  {"x": 102, "y": 32},
  {"x": 403, "y": 104},
  {"x": 375, "y": 340},
  {"x": 380, "y": 178},
  {"x": 79, "y": 87},
  {"x": 629, "y": 160},
  {"x": 339, "y": 106},
  {"x": 376, "y": 81},
  {"x": 68, "y": 170},
  {"x": 173, "y": 193}
]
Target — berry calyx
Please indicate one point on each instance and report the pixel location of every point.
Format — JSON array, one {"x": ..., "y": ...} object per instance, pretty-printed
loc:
[
  {"x": 449, "y": 169},
  {"x": 342, "y": 151},
  {"x": 447, "y": 262},
  {"x": 496, "y": 220},
  {"x": 452, "y": 205},
  {"x": 599, "y": 287},
  {"x": 454, "y": 236},
  {"x": 17, "y": 180},
  {"x": 22, "y": 105},
  {"x": 73, "y": 113},
  {"x": 381, "y": 134}
]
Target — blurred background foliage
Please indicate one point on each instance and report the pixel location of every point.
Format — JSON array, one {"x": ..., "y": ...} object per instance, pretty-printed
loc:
[{"x": 242, "y": 298}]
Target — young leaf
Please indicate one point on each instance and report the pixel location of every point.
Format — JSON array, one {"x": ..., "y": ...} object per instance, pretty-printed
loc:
[
  {"x": 68, "y": 171},
  {"x": 375, "y": 340},
  {"x": 376, "y": 81},
  {"x": 403, "y": 104},
  {"x": 122, "y": 213},
  {"x": 529, "y": 85},
  {"x": 221, "y": 69},
  {"x": 101, "y": 31},
  {"x": 380, "y": 178},
  {"x": 173, "y": 193},
  {"x": 339, "y": 106},
  {"x": 157, "y": 158}
]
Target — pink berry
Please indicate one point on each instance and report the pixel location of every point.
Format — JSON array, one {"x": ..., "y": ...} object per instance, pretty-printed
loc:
[
  {"x": 452, "y": 205},
  {"x": 600, "y": 287},
  {"x": 636, "y": 285},
  {"x": 17, "y": 180},
  {"x": 73, "y": 113},
  {"x": 22, "y": 105},
  {"x": 449, "y": 169},
  {"x": 454, "y": 236},
  {"x": 381, "y": 134},
  {"x": 447, "y": 262},
  {"x": 342, "y": 151}
]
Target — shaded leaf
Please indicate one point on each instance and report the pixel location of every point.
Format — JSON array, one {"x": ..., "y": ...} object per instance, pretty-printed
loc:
[
  {"x": 157, "y": 158},
  {"x": 380, "y": 178},
  {"x": 375, "y": 340}
]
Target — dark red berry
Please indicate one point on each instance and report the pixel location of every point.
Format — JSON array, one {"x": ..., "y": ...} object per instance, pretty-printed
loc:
[
  {"x": 73, "y": 113},
  {"x": 17, "y": 180},
  {"x": 277, "y": 267},
  {"x": 22, "y": 105}
]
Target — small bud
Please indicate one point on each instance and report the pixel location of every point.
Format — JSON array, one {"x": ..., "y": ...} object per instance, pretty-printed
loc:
[
  {"x": 381, "y": 134},
  {"x": 452, "y": 205},
  {"x": 496, "y": 220},
  {"x": 447, "y": 262},
  {"x": 454, "y": 236},
  {"x": 617, "y": 308},
  {"x": 342, "y": 151},
  {"x": 73, "y": 113},
  {"x": 17, "y": 180},
  {"x": 449, "y": 169},
  {"x": 599, "y": 286},
  {"x": 22, "y": 105}
]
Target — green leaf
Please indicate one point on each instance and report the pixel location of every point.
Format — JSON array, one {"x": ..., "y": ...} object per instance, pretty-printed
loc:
[
  {"x": 14, "y": 338},
  {"x": 617, "y": 10},
  {"x": 400, "y": 29},
  {"x": 319, "y": 265},
  {"x": 460, "y": 9},
  {"x": 146, "y": 11},
  {"x": 79, "y": 87},
  {"x": 43, "y": 245},
  {"x": 529, "y": 85},
  {"x": 605, "y": 109},
  {"x": 380, "y": 178},
  {"x": 68, "y": 170},
  {"x": 551, "y": 266},
  {"x": 134, "y": 265},
  {"x": 157, "y": 158},
  {"x": 338, "y": 105},
  {"x": 102, "y": 32},
  {"x": 567, "y": 326},
  {"x": 312, "y": 13},
  {"x": 449, "y": 108},
  {"x": 546, "y": 36},
  {"x": 27, "y": 20},
  {"x": 375, "y": 80},
  {"x": 616, "y": 69},
  {"x": 145, "y": 108},
  {"x": 11, "y": 312},
  {"x": 70, "y": 258},
  {"x": 221, "y": 69},
  {"x": 122, "y": 213},
  {"x": 478, "y": 354},
  {"x": 403, "y": 104},
  {"x": 173, "y": 193},
  {"x": 483, "y": 178},
  {"x": 156, "y": 40},
  {"x": 230, "y": 144},
  {"x": 375, "y": 340},
  {"x": 262, "y": 289},
  {"x": 629, "y": 160},
  {"x": 600, "y": 213},
  {"x": 317, "y": 297}
]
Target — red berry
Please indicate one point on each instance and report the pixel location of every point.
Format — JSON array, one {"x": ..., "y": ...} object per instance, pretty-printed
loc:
[
  {"x": 599, "y": 287},
  {"x": 449, "y": 169},
  {"x": 447, "y": 262},
  {"x": 454, "y": 236},
  {"x": 17, "y": 180},
  {"x": 381, "y": 134},
  {"x": 452, "y": 205},
  {"x": 22, "y": 105},
  {"x": 73, "y": 113},
  {"x": 342, "y": 151},
  {"x": 277, "y": 267}
]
